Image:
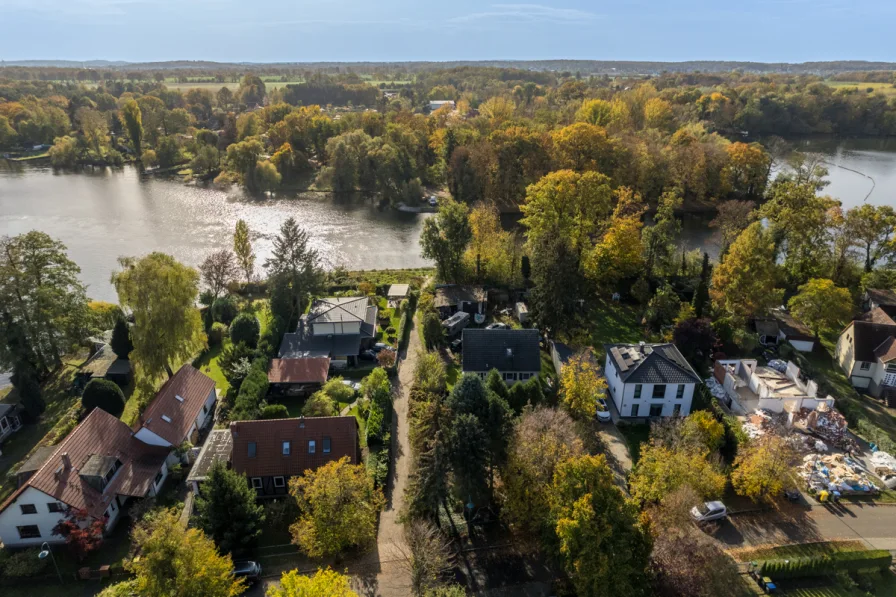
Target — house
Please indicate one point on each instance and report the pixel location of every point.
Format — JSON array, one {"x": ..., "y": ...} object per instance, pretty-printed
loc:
[
  {"x": 436, "y": 104},
  {"x": 453, "y": 298},
  {"x": 866, "y": 352},
  {"x": 37, "y": 459},
  {"x": 749, "y": 386},
  {"x": 300, "y": 376},
  {"x": 217, "y": 447},
  {"x": 337, "y": 327},
  {"x": 270, "y": 452},
  {"x": 649, "y": 380},
  {"x": 179, "y": 411},
  {"x": 878, "y": 297},
  {"x": 10, "y": 420},
  {"x": 784, "y": 327},
  {"x": 99, "y": 468},
  {"x": 514, "y": 353},
  {"x": 104, "y": 363},
  {"x": 397, "y": 293}
]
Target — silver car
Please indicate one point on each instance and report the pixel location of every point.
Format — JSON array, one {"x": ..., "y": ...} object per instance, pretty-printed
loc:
[{"x": 709, "y": 511}]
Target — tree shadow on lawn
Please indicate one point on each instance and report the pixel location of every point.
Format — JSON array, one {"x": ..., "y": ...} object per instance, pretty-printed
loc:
[{"x": 783, "y": 525}]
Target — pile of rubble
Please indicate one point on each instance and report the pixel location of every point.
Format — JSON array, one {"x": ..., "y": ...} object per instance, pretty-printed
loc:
[
  {"x": 762, "y": 421},
  {"x": 778, "y": 365},
  {"x": 835, "y": 473},
  {"x": 715, "y": 388},
  {"x": 827, "y": 424}
]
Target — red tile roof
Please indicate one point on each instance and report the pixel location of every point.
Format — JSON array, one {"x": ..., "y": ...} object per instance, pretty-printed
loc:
[
  {"x": 188, "y": 383},
  {"x": 269, "y": 436},
  {"x": 886, "y": 352},
  {"x": 302, "y": 370},
  {"x": 99, "y": 434}
]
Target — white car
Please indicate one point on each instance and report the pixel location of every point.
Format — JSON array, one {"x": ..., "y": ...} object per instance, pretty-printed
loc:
[
  {"x": 709, "y": 511},
  {"x": 433, "y": 201},
  {"x": 603, "y": 412}
]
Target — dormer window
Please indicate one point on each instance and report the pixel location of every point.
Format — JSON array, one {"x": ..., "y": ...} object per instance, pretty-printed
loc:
[
  {"x": 179, "y": 398},
  {"x": 166, "y": 418}
]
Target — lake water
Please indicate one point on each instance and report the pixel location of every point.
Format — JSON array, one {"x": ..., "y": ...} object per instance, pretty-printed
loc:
[{"x": 103, "y": 215}]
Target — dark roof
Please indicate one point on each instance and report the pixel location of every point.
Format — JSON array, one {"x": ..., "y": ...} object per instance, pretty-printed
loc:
[
  {"x": 867, "y": 336},
  {"x": 269, "y": 435},
  {"x": 217, "y": 447},
  {"x": 885, "y": 315},
  {"x": 449, "y": 296},
  {"x": 302, "y": 370},
  {"x": 305, "y": 344},
  {"x": 563, "y": 351},
  {"x": 98, "y": 465},
  {"x": 7, "y": 409},
  {"x": 793, "y": 328},
  {"x": 886, "y": 352},
  {"x": 194, "y": 387},
  {"x": 338, "y": 309},
  {"x": 98, "y": 365},
  {"x": 766, "y": 327},
  {"x": 651, "y": 363},
  {"x": 504, "y": 350},
  {"x": 881, "y": 296},
  {"x": 36, "y": 460}
]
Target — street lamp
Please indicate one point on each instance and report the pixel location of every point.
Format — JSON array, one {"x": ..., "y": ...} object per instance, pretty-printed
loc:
[{"x": 46, "y": 551}]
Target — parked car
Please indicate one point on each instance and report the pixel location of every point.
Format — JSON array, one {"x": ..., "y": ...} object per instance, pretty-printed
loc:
[
  {"x": 433, "y": 201},
  {"x": 456, "y": 345},
  {"x": 367, "y": 355},
  {"x": 352, "y": 384},
  {"x": 251, "y": 571},
  {"x": 709, "y": 511},
  {"x": 791, "y": 495},
  {"x": 382, "y": 346},
  {"x": 497, "y": 326},
  {"x": 603, "y": 411}
]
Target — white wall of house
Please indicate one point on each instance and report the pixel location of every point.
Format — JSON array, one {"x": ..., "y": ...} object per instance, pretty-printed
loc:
[
  {"x": 156, "y": 485},
  {"x": 206, "y": 410},
  {"x": 614, "y": 383},
  {"x": 509, "y": 377},
  {"x": 12, "y": 518},
  {"x": 628, "y": 405},
  {"x": 148, "y": 437}
]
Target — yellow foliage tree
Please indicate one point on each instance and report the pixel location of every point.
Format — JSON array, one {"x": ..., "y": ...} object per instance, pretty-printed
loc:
[
  {"x": 583, "y": 146},
  {"x": 581, "y": 385},
  {"x": 618, "y": 254},
  {"x": 661, "y": 470},
  {"x": 324, "y": 583},
  {"x": 497, "y": 109},
  {"x": 492, "y": 250},
  {"x": 658, "y": 114},
  {"x": 821, "y": 304},
  {"x": 763, "y": 467},
  {"x": 743, "y": 285}
]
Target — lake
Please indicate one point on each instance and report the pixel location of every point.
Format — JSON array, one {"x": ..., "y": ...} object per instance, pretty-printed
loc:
[{"x": 102, "y": 215}]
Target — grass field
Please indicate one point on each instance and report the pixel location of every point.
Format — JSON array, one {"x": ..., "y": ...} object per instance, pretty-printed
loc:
[
  {"x": 612, "y": 323},
  {"x": 885, "y": 88},
  {"x": 803, "y": 550},
  {"x": 635, "y": 435}
]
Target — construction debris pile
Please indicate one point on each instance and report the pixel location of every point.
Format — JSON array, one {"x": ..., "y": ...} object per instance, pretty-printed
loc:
[
  {"x": 763, "y": 421},
  {"x": 715, "y": 388},
  {"x": 835, "y": 473},
  {"x": 827, "y": 424}
]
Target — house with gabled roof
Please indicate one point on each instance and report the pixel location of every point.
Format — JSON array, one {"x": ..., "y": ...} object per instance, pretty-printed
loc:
[
  {"x": 649, "y": 380},
  {"x": 180, "y": 409},
  {"x": 335, "y": 327},
  {"x": 515, "y": 354},
  {"x": 866, "y": 352}
]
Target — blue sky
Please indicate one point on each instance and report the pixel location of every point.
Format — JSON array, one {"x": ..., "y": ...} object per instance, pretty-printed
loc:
[{"x": 387, "y": 30}]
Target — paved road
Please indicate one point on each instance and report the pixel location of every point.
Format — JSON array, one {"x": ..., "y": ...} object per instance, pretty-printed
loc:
[{"x": 873, "y": 524}]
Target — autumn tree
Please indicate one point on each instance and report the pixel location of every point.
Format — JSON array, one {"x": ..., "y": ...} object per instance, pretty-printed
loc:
[
  {"x": 242, "y": 248},
  {"x": 763, "y": 467},
  {"x": 602, "y": 546},
  {"x": 179, "y": 562},
  {"x": 324, "y": 583},
  {"x": 294, "y": 272},
  {"x": 339, "y": 507},
  {"x": 445, "y": 237},
  {"x": 733, "y": 216},
  {"x": 618, "y": 254},
  {"x": 132, "y": 120},
  {"x": 242, "y": 161},
  {"x": 597, "y": 112},
  {"x": 581, "y": 146},
  {"x": 83, "y": 533},
  {"x": 821, "y": 305},
  {"x": 743, "y": 285},
  {"x": 747, "y": 168},
  {"x": 581, "y": 384},
  {"x": 871, "y": 228},
  {"x": 227, "y": 510},
  {"x": 662, "y": 469},
  {"x": 217, "y": 271},
  {"x": 464, "y": 180},
  {"x": 426, "y": 557},
  {"x": 161, "y": 294},
  {"x": 490, "y": 251}
]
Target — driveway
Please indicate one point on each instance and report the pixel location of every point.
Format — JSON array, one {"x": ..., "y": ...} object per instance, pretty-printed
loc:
[{"x": 616, "y": 451}]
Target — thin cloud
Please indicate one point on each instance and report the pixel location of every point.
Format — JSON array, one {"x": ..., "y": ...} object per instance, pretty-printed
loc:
[{"x": 528, "y": 13}]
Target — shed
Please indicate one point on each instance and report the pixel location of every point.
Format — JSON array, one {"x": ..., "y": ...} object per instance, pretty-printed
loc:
[
  {"x": 217, "y": 447},
  {"x": 521, "y": 311},
  {"x": 105, "y": 364},
  {"x": 453, "y": 298},
  {"x": 397, "y": 293},
  {"x": 792, "y": 330}
]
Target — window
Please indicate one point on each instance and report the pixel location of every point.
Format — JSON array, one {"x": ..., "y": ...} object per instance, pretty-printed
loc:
[
  {"x": 4, "y": 424},
  {"x": 865, "y": 366},
  {"x": 637, "y": 390},
  {"x": 679, "y": 393},
  {"x": 256, "y": 483},
  {"x": 205, "y": 408},
  {"x": 634, "y": 411},
  {"x": 166, "y": 418},
  {"x": 656, "y": 410},
  {"x": 525, "y": 376},
  {"x": 251, "y": 449},
  {"x": 29, "y": 531},
  {"x": 326, "y": 445},
  {"x": 510, "y": 377},
  {"x": 279, "y": 481},
  {"x": 659, "y": 390},
  {"x": 28, "y": 509},
  {"x": 286, "y": 448},
  {"x": 676, "y": 410},
  {"x": 312, "y": 446},
  {"x": 55, "y": 507},
  {"x": 158, "y": 478},
  {"x": 891, "y": 368}
]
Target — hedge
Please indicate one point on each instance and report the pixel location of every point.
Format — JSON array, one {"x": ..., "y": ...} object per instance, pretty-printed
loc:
[
  {"x": 404, "y": 324},
  {"x": 823, "y": 565}
]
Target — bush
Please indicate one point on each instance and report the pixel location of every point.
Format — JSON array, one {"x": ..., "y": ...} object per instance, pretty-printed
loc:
[
  {"x": 25, "y": 563},
  {"x": 254, "y": 388},
  {"x": 225, "y": 309},
  {"x": 245, "y": 328},
  {"x": 378, "y": 465},
  {"x": 216, "y": 334},
  {"x": 104, "y": 394},
  {"x": 823, "y": 565},
  {"x": 63, "y": 428},
  {"x": 274, "y": 411},
  {"x": 390, "y": 331}
]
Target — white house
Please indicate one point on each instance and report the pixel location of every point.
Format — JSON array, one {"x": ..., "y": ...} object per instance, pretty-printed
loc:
[
  {"x": 180, "y": 409},
  {"x": 749, "y": 386},
  {"x": 649, "y": 380},
  {"x": 98, "y": 468},
  {"x": 436, "y": 104},
  {"x": 866, "y": 351}
]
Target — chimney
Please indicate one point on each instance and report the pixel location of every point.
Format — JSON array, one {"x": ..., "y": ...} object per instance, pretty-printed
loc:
[{"x": 66, "y": 461}]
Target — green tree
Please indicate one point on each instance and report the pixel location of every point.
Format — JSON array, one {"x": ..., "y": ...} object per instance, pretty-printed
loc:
[
  {"x": 661, "y": 238},
  {"x": 556, "y": 265},
  {"x": 324, "y": 583},
  {"x": 206, "y": 161},
  {"x": 179, "y": 562},
  {"x": 743, "y": 285},
  {"x": 661, "y": 470},
  {"x": 132, "y": 119},
  {"x": 433, "y": 333},
  {"x": 700, "y": 302},
  {"x": 319, "y": 404},
  {"x": 445, "y": 237},
  {"x": 227, "y": 510},
  {"x": 64, "y": 153},
  {"x": 464, "y": 182},
  {"x": 871, "y": 228},
  {"x": 242, "y": 247},
  {"x": 121, "y": 339},
  {"x": 340, "y": 508},
  {"x": 603, "y": 547},
  {"x": 294, "y": 272},
  {"x": 252, "y": 91},
  {"x": 245, "y": 328},
  {"x": 242, "y": 160},
  {"x": 821, "y": 305},
  {"x": 274, "y": 411},
  {"x": 104, "y": 394},
  {"x": 267, "y": 178},
  {"x": 168, "y": 152},
  {"x": 161, "y": 293}
]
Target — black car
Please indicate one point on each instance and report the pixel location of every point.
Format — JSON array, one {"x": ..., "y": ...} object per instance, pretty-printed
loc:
[
  {"x": 457, "y": 345},
  {"x": 367, "y": 355},
  {"x": 251, "y": 571}
]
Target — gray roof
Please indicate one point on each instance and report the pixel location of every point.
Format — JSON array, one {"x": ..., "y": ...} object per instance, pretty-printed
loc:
[
  {"x": 98, "y": 365},
  {"x": 563, "y": 351},
  {"x": 651, "y": 363},
  {"x": 37, "y": 459},
  {"x": 217, "y": 447},
  {"x": 97, "y": 465},
  {"x": 338, "y": 309},
  {"x": 504, "y": 350},
  {"x": 8, "y": 409},
  {"x": 881, "y": 296},
  {"x": 450, "y": 296},
  {"x": 867, "y": 336},
  {"x": 305, "y": 344},
  {"x": 398, "y": 290}
]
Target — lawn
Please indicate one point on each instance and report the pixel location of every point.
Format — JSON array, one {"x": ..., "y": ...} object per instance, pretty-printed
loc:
[
  {"x": 803, "y": 550},
  {"x": 635, "y": 435},
  {"x": 885, "y": 88},
  {"x": 614, "y": 323},
  {"x": 208, "y": 364},
  {"x": 17, "y": 447}
]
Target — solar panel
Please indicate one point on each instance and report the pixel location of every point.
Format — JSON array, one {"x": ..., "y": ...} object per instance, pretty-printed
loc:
[{"x": 619, "y": 360}]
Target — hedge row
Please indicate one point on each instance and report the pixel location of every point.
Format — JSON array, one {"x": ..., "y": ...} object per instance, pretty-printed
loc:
[
  {"x": 824, "y": 565},
  {"x": 407, "y": 316}
]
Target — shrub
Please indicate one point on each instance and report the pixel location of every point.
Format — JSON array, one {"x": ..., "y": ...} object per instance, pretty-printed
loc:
[
  {"x": 25, "y": 563},
  {"x": 386, "y": 358},
  {"x": 254, "y": 388},
  {"x": 224, "y": 309},
  {"x": 274, "y": 411},
  {"x": 390, "y": 330},
  {"x": 824, "y": 565},
  {"x": 378, "y": 465},
  {"x": 245, "y": 328},
  {"x": 216, "y": 334},
  {"x": 104, "y": 394}
]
